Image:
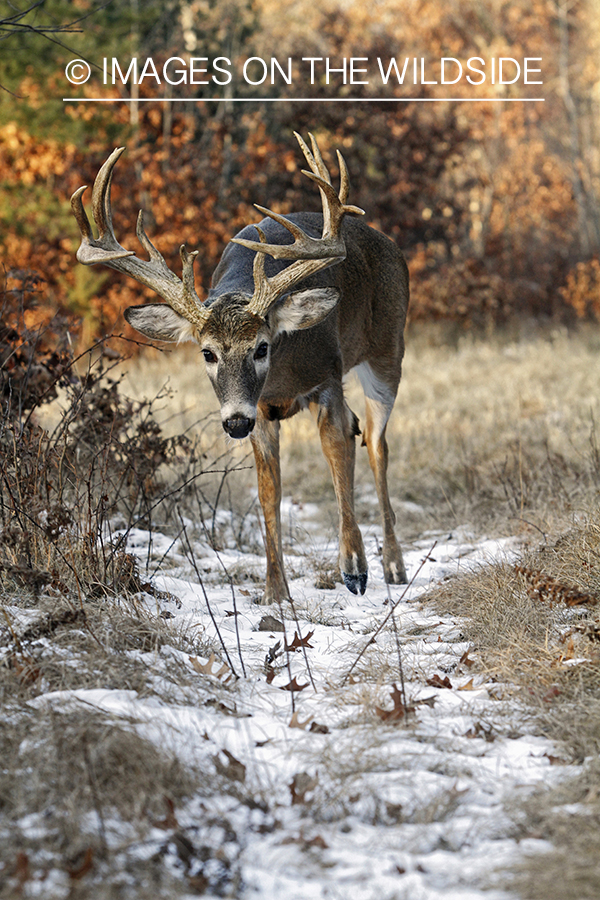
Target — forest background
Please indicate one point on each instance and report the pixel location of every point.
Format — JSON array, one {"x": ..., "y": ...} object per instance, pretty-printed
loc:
[{"x": 496, "y": 204}]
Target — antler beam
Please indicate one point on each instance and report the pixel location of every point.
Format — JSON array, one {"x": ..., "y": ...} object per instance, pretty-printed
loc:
[
  {"x": 154, "y": 273},
  {"x": 310, "y": 254}
]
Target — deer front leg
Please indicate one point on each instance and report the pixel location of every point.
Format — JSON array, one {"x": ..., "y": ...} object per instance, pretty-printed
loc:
[
  {"x": 338, "y": 428},
  {"x": 265, "y": 444}
]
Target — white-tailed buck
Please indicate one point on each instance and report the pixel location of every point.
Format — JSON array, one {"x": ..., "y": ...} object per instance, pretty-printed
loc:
[{"x": 287, "y": 316}]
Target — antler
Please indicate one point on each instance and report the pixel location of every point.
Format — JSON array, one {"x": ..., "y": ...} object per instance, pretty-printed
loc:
[
  {"x": 311, "y": 254},
  {"x": 154, "y": 273}
]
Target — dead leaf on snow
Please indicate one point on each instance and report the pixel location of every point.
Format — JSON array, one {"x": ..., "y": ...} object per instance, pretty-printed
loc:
[
  {"x": 555, "y": 760},
  {"x": 170, "y": 820},
  {"x": 233, "y": 768},
  {"x": 400, "y": 709},
  {"x": 294, "y": 686},
  {"x": 436, "y": 681},
  {"x": 296, "y": 723},
  {"x": 302, "y": 783},
  {"x": 317, "y": 728},
  {"x": 299, "y": 642},
  {"x": 84, "y": 866},
  {"x": 207, "y": 668}
]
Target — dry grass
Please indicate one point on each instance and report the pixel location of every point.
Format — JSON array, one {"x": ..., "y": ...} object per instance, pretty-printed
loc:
[
  {"x": 568, "y": 817},
  {"x": 491, "y": 431},
  {"x": 550, "y": 651},
  {"x": 82, "y": 793}
]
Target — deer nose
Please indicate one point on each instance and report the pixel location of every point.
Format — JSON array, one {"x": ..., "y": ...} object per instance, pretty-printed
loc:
[{"x": 238, "y": 426}]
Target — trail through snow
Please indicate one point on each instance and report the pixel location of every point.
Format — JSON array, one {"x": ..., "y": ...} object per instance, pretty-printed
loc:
[{"x": 349, "y": 805}]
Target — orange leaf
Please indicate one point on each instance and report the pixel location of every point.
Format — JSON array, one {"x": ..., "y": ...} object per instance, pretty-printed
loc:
[
  {"x": 294, "y": 686},
  {"x": 299, "y": 642},
  {"x": 438, "y": 682}
]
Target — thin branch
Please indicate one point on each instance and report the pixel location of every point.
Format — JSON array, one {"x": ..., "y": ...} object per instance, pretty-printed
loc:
[{"x": 389, "y": 615}]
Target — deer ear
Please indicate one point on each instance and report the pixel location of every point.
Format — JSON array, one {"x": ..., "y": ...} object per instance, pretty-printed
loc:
[
  {"x": 159, "y": 322},
  {"x": 302, "y": 309}
]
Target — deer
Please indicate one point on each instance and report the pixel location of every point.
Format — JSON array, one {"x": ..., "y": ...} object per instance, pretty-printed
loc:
[{"x": 295, "y": 303}]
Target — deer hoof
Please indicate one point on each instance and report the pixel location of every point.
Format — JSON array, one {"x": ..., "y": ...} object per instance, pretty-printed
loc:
[
  {"x": 395, "y": 573},
  {"x": 356, "y": 584}
]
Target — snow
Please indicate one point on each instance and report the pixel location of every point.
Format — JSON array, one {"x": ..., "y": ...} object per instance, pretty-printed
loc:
[{"x": 415, "y": 809}]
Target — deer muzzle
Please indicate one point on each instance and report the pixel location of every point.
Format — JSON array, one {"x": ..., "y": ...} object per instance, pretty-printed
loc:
[{"x": 238, "y": 426}]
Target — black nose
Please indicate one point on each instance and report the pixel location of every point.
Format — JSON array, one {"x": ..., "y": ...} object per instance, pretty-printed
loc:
[{"x": 238, "y": 426}]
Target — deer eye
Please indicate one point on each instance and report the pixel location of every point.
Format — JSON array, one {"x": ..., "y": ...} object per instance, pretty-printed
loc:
[
  {"x": 261, "y": 351},
  {"x": 209, "y": 356}
]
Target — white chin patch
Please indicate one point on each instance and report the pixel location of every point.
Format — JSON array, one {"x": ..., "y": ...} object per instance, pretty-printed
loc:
[{"x": 235, "y": 410}]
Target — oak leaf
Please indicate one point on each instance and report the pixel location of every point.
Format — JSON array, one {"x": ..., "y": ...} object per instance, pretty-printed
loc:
[
  {"x": 299, "y": 642},
  {"x": 400, "y": 709},
  {"x": 436, "y": 681},
  {"x": 294, "y": 685}
]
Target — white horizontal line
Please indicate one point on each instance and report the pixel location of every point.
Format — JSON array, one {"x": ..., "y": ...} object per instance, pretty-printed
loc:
[{"x": 304, "y": 100}]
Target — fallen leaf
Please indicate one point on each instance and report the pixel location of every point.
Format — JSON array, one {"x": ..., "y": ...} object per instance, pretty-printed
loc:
[
  {"x": 233, "y": 768},
  {"x": 570, "y": 651},
  {"x": 299, "y": 642},
  {"x": 317, "y": 728},
  {"x": 555, "y": 760},
  {"x": 551, "y": 694},
  {"x": 399, "y": 710},
  {"x": 25, "y": 668},
  {"x": 296, "y": 723},
  {"x": 170, "y": 820},
  {"x": 468, "y": 686},
  {"x": 85, "y": 866},
  {"x": 294, "y": 686},
  {"x": 207, "y": 668},
  {"x": 317, "y": 841},
  {"x": 436, "y": 681},
  {"x": 306, "y": 843},
  {"x": 478, "y": 730},
  {"x": 302, "y": 783},
  {"x": 21, "y": 870}
]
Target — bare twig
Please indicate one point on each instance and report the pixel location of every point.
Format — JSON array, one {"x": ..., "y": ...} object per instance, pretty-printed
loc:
[
  {"x": 190, "y": 555},
  {"x": 389, "y": 615}
]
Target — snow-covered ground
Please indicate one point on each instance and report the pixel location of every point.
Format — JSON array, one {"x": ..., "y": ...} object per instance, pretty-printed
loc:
[{"x": 329, "y": 797}]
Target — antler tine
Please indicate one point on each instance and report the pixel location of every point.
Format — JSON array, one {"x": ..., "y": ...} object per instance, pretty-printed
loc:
[
  {"x": 344, "y": 180},
  {"x": 105, "y": 249},
  {"x": 101, "y": 210}
]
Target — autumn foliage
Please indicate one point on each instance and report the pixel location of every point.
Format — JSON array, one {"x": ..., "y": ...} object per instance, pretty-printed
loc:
[{"x": 496, "y": 205}]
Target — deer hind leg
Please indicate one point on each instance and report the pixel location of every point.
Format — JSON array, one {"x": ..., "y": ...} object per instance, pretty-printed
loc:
[
  {"x": 338, "y": 427},
  {"x": 379, "y": 400},
  {"x": 265, "y": 444}
]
